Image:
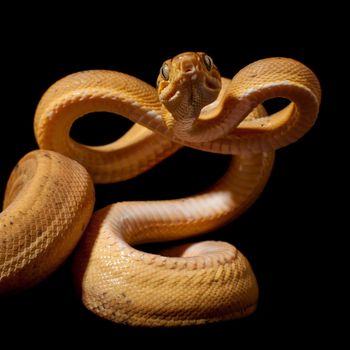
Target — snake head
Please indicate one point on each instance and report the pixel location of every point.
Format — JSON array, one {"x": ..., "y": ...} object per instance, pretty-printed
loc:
[{"x": 187, "y": 83}]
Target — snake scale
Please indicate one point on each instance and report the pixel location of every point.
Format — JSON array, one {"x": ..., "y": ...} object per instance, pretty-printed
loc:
[{"x": 50, "y": 196}]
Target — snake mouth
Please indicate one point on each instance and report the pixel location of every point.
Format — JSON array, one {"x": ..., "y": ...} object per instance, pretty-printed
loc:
[
  {"x": 173, "y": 95},
  {"x": 169, "y": 95}
]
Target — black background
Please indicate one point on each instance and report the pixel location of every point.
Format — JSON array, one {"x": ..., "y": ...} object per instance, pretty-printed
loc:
[{"x": 281, "y": 235}]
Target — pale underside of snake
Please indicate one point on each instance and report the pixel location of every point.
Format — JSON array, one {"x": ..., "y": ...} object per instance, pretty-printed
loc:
[{"x": 50, "y": 197}]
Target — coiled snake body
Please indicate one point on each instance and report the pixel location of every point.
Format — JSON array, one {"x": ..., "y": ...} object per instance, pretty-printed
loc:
[{"x": 50, "y": 197}]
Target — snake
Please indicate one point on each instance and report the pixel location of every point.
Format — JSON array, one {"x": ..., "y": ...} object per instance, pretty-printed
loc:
[{"x": 49, "y": 199}]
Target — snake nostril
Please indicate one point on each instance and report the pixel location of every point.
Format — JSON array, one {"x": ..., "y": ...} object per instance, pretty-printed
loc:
[{"x": 188, "y": 67}]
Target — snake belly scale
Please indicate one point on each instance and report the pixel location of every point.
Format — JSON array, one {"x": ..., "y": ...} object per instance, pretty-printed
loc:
[{"x": 50, "y": 196}]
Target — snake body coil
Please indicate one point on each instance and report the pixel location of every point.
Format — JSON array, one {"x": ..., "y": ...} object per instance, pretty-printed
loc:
[
  {"x": 48, "y": 203},
  {"x": 192, "y": 106}
]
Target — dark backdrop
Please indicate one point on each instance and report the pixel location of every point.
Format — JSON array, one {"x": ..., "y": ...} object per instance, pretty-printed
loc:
[{"x": 280, "y": 234}]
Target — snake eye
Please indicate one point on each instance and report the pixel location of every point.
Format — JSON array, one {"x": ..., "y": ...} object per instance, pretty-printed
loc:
[
  {"x": 208, "y": 61},
  {"x": 164, "y": 71}
]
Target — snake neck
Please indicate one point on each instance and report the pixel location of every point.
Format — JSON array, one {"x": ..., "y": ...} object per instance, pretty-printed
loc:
[{"x": 183, "y": 117}]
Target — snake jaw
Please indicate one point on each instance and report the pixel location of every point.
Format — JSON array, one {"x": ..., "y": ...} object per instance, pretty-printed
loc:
[
  {"x": 174, "y": 96},
  {"x": 168, "y": 94}
]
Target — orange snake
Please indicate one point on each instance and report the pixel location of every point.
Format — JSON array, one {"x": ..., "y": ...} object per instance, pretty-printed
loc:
[{"x": 50, "y": 197}]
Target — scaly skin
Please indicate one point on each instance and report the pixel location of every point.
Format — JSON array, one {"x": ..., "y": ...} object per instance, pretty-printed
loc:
[
  {"x": 197, "y": 283},
  {"x": 48, "y": 203}
]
